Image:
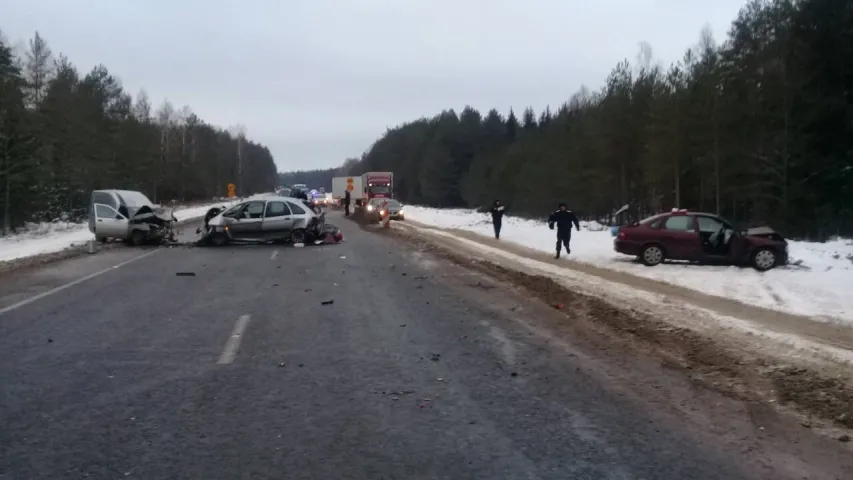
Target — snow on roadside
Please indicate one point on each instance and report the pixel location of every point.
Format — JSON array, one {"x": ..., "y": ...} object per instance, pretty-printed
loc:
[
  {"x": 817, "y": 284},
  {"x": 39, "y": 239},
  {"x": 683, "y": 315}
]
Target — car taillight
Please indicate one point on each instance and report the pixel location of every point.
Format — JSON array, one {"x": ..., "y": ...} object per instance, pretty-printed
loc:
[{"x": 622, "y": 235}]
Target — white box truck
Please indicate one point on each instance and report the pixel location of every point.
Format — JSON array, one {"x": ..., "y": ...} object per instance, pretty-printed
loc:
[{"x": 341, "y": 184}]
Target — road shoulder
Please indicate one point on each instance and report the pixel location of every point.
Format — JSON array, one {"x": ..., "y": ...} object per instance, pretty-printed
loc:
[{"x": 796, "y": 376}]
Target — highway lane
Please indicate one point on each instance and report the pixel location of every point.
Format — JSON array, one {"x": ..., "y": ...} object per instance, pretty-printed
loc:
[{"x": 418, "y": 369}]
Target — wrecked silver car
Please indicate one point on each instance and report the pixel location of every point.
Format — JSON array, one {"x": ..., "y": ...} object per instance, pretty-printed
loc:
[
  {"x": 129, "y": 216},
  {"x": 267, "y": 219}
]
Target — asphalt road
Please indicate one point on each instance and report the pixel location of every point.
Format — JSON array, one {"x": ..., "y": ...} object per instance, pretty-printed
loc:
[{"x": 416, "y": 371}]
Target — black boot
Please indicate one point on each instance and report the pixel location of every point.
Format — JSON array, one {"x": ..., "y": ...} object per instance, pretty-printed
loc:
[{"x": 557, "y": 255}]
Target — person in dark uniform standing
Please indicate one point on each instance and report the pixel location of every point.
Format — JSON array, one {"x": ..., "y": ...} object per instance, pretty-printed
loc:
[
  {"x": 347, "y": 200},
  {"x": 497, "y": 217},
  {"x": 563, "y": 218}
]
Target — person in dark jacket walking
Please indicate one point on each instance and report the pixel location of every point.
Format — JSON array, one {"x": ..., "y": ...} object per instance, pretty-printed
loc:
[
  {"x": 563, "y": 218},
  {"x": 347, "y": 200},
  {"x": 497, "y": 217}
]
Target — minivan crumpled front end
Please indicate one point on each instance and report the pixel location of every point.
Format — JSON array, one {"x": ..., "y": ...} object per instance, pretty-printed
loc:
[{"x": 157, "y": 222}]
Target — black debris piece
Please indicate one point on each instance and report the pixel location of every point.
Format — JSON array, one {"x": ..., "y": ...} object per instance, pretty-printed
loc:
[
  {"x": 328, "y": 302},
  {"x": 185, "y": 274}
]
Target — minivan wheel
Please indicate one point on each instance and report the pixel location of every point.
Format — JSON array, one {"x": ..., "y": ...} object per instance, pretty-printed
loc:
[
  {"x": 137, "y": 238},
  {"x": 763, "y": 259},
  {"x": 652, "y": 255}
]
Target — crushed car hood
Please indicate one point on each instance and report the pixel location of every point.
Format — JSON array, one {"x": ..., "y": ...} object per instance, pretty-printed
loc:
[{"x": 156, "y": 215}]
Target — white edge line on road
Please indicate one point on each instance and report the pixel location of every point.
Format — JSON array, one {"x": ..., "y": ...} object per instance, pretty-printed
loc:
[
  {"x": 60, "y": 288},
  {"x": 274, "y": 254},
  {"x": 233, "y": 342}
]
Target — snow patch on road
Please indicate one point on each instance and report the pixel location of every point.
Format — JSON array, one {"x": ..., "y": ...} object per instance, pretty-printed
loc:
[{"x": 816, "y": 284}]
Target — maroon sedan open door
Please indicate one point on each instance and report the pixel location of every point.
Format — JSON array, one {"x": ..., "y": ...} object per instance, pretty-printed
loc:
[{"x": 680, "y": 237}]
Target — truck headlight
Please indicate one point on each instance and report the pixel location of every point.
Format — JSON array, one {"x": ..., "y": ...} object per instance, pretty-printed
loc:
[{"x": 370, "y": 208}]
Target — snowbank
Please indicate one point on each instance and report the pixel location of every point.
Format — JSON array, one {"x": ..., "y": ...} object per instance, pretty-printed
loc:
[
  {"x": 38, "y": 239},
  {"x": 817, "y": 283}
]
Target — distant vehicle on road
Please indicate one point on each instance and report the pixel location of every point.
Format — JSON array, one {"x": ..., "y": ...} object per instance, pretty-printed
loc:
[
  {"x": 375, "y": 211},
  {"x": 267, "y": 219},
  {"x": 700, "y": 237},
  {"x": 317, "y": 199},
  {"x": 129, "y": 216}
]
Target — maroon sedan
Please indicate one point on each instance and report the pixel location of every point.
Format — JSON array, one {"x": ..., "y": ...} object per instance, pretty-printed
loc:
[{"x": 702, "y": 238}]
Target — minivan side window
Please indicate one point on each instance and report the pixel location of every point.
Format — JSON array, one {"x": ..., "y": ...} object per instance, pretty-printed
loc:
[
  {"x": 104, "y": 199},
  {"x": 679, "y": 223},
  {"x": 103, "y": 211}
]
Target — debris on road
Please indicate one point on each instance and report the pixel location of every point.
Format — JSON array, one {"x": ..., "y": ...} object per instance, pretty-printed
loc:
[
  {"x": 184, "y": 274},
  {"x": 328, "y": 302},
  {"x": 435, "y": 357}
]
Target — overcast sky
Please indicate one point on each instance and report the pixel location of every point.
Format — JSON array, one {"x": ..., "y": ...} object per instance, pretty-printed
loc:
[{"x": 319, "y": 80}]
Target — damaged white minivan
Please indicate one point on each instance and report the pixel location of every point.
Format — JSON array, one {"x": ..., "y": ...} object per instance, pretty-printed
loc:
[{"x": 130, "y": 216}]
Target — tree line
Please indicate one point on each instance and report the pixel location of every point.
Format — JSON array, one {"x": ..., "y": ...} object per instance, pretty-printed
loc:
[
  {"x": 758, "y": 128},
  {"x": 63, "y": 134}
]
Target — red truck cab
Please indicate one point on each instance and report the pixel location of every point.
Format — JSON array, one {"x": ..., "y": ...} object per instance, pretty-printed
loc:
[{"x": 378, "y": 185}]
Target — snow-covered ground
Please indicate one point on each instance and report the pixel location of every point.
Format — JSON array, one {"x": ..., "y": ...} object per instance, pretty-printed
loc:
[
  {"x": 819, "y": 283},
  {"x": 53, "y": 237}
]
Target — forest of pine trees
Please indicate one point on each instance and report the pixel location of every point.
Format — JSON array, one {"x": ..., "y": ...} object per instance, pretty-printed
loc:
[
  {"x": 63, "y": 134},
  {"x": 758, "y": 128}
]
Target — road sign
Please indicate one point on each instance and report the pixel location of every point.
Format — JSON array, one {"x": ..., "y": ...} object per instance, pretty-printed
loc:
[{"x": 232, "y": 190}]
